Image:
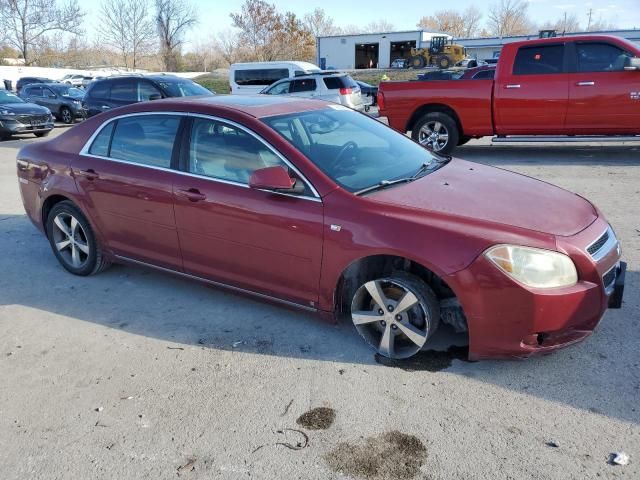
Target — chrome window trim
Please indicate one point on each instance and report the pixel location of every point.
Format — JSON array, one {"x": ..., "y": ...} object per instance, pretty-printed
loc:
[
  {"x": 218, "y": 284},
  {"x": 84, "y": 151},
  {"x": 604, "y": 250}
]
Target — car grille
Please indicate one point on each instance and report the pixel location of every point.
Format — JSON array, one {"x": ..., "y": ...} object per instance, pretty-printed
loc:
[
  {"x": 27, "y": 119},
  {"x": 599, "y": 243}
]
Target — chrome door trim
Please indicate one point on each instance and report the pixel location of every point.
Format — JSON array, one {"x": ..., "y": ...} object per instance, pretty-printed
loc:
[
  {"x": 217, "y": 284},
  {"x": 85, "y": 152}
]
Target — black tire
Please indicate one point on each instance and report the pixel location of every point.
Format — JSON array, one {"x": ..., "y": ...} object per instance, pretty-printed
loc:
[
  {"x": 418, "y": 61},
  {"x": 444, "y": 62},
  {"x": 447, "y": 122},
  {"x": 423, "y": 316},
  {"x": 42, "y": 134},
  {"x": 66, "y": 115},
  {"x": 4, "y": 136},
  {"x": 92, "y": 262}
]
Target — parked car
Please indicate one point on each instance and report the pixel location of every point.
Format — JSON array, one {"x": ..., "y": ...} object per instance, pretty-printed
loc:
[
  {"x": 400, "y": 63},
  {"x": 313, "y": 205},
  {"x": 113, "y": 92},
  {"x": 470, "y": 63},
  {"x": 29, "y": 80},
  {"x": 485, "y": 72},
  {"x": 570, "y": 86},
  {"x": 254, "y": 77},
  {"x": 369, "y": 92},
  {"x": 333, "y": 87},
  {"x": 441, "y": 75},
  {"x": 64, "y": 101},
  {"x": 73, "y": 79},
  {"x": 18, "y": 116}
]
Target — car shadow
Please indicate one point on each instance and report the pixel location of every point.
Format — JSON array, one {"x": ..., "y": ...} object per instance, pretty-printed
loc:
[
  {"x": 187, "y": 314},
  {"x": 551, "y": 154}
]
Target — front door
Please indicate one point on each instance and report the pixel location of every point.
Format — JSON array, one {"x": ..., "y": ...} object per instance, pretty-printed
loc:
[
  {"x": 532, "y": 97},
  {"x": 257, "y": 240},
  {"x": 125, "y": 178},
  {"x": 603, "y": 96}
]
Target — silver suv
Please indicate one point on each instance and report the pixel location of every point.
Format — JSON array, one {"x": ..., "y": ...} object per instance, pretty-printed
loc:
[{"x": 332, "y": 87}]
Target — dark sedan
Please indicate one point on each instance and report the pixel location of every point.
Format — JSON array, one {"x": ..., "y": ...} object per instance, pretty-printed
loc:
[{"x": 17, "y": 116}]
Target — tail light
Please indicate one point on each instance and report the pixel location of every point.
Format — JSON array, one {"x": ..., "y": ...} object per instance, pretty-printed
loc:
[
  {"x": 380, "y": 99},
  {"x": 346, "y": 91}
]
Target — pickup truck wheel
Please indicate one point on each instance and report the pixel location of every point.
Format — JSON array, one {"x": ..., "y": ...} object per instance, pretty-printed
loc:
[{"x": 436, "y": 131}]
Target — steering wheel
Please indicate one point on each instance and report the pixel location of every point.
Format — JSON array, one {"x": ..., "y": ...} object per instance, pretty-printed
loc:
[{"x": 337, "y": 163}]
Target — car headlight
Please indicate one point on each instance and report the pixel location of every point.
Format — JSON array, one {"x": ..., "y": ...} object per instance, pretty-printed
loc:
[{"x": 534, "y": 267}]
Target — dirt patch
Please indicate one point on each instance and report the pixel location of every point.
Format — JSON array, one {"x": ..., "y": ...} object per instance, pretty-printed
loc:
[
  {"x": 317, "y": 419},
  {"x": 429, "y": 360},
  {"x": 391, "y": 456}
]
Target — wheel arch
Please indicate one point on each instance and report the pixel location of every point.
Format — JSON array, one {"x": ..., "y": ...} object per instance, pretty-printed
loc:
[
  {"x": 359, "y": 269},
  {"x": 48, "y": 204},
  {"x": 431, "y": 108}
]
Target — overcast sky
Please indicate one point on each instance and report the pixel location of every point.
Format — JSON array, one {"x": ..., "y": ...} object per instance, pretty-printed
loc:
[{"x": 214, "y": 14}]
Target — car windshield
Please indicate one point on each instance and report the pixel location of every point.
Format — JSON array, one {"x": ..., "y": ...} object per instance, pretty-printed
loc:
[
  {"x": 184, "y": 89},
  {"x": 69, "y": 91},
  {"x": 355, "y": 151},
  {"x": 8, "y": 97}
]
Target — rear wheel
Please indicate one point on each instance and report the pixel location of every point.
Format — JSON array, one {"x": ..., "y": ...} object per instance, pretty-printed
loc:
[
  {"x": 73, "y": 241},
  {"x": 444, "y": 62},
  {"x": 437, "y": 131},
  {"x": 396, "y": 314},
  {"x": 66, "y": 115}
]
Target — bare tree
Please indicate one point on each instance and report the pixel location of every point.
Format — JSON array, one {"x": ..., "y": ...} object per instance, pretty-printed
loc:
[
  {"x": 567, "y": 23},
  {"x": 379, "y": 26},
  {"x": 453, "y": 22},
  {"x": 320, "y": 24},
  {"x": 26, "y": 24},
  {"x": 127, "y": 26},
  {"x": 601, "y": 25},
  {"x": 509, "y": 17},
  {"x": 259, "y": 24},
  {"x": 472, "y": 18},
  {"x": 173, "y": 19}
]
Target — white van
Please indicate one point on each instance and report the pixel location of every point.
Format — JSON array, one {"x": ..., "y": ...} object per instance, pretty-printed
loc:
[{"x": 251, "y": 78}]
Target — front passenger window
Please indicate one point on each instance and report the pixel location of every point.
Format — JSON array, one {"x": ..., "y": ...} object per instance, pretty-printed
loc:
[
  {"x": 600, "y": 57},
  {"x": 222, "y": 151}
]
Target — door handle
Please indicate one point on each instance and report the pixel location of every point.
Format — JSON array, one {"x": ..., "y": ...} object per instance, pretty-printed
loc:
[
  {"x": 586, "y": 84},
  {"x": 513, "y": 85},
  {"x": 90, "y": 173},
  {"x": 105, "y": 107},
  {"x": 192, "y": 194}
]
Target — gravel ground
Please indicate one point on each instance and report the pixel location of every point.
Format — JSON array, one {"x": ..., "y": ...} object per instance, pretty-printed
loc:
[{"x": 138, "y": 374}]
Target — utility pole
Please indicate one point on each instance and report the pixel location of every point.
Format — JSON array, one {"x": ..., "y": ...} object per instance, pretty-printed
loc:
[{"x": 590, "y": 14}]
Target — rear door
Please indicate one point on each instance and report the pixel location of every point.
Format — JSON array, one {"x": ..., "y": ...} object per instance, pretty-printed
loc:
[
  {"x": 257, "y": 240},
  {"x": 303, "y": 87},
  {"x": 125, "y": 177},
  {"x": 601, "y": 91},
  {"x": 532, "y": 98}
]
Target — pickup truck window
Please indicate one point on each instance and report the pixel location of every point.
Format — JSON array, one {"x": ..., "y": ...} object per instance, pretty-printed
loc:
[
  {"x": 600, "y": 57},
  {"x": 539, "y": 60}
]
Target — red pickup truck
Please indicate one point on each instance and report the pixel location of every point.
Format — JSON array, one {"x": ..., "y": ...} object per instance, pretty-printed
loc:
[{"x": 587, "y": 85}]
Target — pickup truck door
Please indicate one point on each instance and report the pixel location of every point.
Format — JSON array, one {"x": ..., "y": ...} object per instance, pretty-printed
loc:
[
  {"x": 604, "y": 98},
  {"x": 531, "y": 97}
]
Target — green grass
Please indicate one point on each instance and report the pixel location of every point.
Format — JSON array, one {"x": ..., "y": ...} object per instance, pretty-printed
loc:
[{"x": 217, "y": 83}]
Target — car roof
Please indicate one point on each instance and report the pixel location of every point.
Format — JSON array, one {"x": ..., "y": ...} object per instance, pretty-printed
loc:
[
  {"x": 572, "y": 38},
  {"x": 258, "y": 106}
]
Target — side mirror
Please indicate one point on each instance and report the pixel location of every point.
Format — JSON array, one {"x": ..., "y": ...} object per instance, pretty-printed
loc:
[
  {"x": 632, "y": 63},
  {"x": 155, "y": 96},
  {"x": 276, "y": 179}
]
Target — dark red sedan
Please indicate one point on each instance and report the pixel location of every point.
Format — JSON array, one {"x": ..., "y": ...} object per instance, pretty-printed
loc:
[{"x": 319, "y": 207}]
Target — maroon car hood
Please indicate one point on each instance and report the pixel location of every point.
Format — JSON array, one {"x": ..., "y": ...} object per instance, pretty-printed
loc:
[{"x": 486, "y": 193}]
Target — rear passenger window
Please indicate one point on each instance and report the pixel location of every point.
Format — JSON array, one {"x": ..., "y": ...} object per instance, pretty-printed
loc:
[
  {"x": 600, "y": 57},
  {"x": 100, "y": 90},
  {"x": 145, "y": 139},
  {"x": 100, "y": 145},
  {"x": 225, "y": 152},
  {"x": 124, "y": 91},
  {"x": 539, "y": 60},
  {"x": 306, "y": 85}
]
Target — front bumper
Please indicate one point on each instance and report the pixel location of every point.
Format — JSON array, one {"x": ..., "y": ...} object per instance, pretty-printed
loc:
[
  {"x": 12, "y": 127},
  {"x": 508, "y": 320}
]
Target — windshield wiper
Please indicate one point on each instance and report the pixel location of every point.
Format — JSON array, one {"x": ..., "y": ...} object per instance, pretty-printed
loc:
[{"x": 383, "y": 184}]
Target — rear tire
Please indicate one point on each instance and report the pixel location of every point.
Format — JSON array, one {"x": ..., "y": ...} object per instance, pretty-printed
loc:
[
  {"x": 42, "y": 134},
  {"x": 418, "y": 61},
  {"x": 444, "y": 62},
  {"x": 437, "y": 131},
  {"x": 73, "y": 241},
  {"x": 66, "y": 115}
]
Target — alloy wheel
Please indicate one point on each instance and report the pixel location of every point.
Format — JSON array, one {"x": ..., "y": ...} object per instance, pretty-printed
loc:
[
  {"x": 70, "y": 240},
  {"x": 433, "y": 135},
  {"x": 390, "y": 317},
  {"x": 66, "y": 115}
]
